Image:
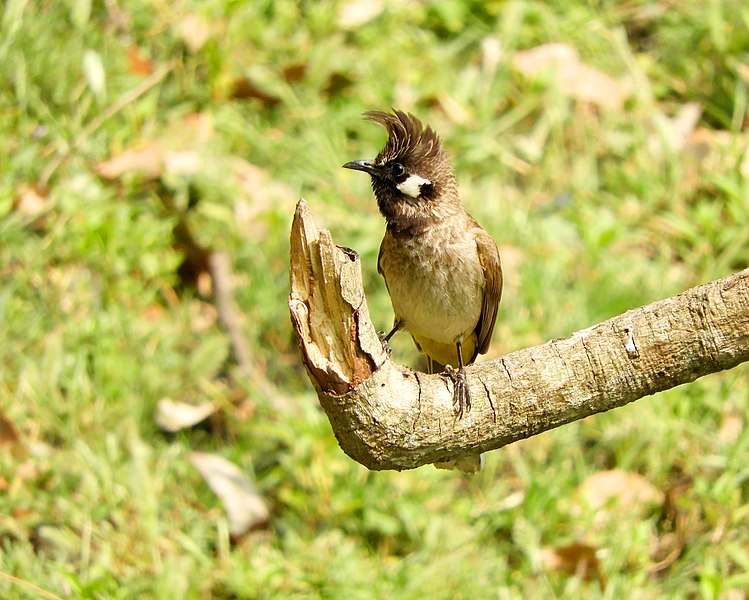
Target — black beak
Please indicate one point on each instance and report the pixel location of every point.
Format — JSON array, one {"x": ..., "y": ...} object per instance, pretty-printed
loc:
[{"x": 367, "y": 166}]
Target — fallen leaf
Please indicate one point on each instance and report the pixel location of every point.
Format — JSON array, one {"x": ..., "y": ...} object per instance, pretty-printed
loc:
[
  {"x": 683, "y": 124},
  {"x": 533, "y": 61},
  {"x": 294, "y": 73},
  {"x": 176, "y": 150},
  {"x": 245, "y": 508},
  {"x": 139, "y": 63},
  {"x": 195, "y": 32},
  {"x": 31, "y": 201},
  {"x": 244, "y": 88},
  {"x": 621, "y": 489},
  {"x": 146, "y": 161},
  {"x": 675, "y": 132},
  {"x": 173, "y": 416},
  {"x": 575, "y": 559},
  {"x": 337, "y": 84},
  {"x": 577, "y": 79},
  {"x": 358, "y": 12},
  {"x": 186, "y": 162},
  {"x": 731, "y": 427},
  {"x": 153, "y": 312}
]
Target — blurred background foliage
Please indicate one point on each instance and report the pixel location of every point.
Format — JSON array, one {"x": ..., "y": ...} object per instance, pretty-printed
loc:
[{"x": 603, "y": 144}]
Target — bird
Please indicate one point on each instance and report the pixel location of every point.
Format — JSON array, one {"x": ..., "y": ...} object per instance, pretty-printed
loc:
[{"x": 442, "y": 270}]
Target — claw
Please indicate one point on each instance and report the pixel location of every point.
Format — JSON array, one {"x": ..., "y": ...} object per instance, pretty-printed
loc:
[
  {"x": 461, "y": 395},
  {"x": 384, "y": 339}
]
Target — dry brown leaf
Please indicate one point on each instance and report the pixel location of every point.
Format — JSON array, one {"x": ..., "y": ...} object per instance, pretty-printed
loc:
[
  {"x": 139, "y": 63},
  {"x": 245, "y": 507},
  {"x": 193, "y": 131},
  {"x": 337, "y": 84},
  {"x": 622, "y": 489},
  {"x": 146, "y": 161},
  {"x": 31, "y": 201},
  {"x": 731, "y": 427},
  {"x": 186, "y": 162},
  {"x": 575, "y": 559},
  {"x": 244, "y": 88},
  {"x": 675, "y": 134},
  {"x": 684, "y": 124},
  {"x": 358, "y": 12},
  {"x": 294, "y": 73},
  {"x": 195, "y": 32},
  {"x": 153, "y": 312},
  {"x": 576, "y": 79},
  {"x": 177, "y": 150},
  {"x": 173, "y": 416},
  {"x": 533, "y": 61}
]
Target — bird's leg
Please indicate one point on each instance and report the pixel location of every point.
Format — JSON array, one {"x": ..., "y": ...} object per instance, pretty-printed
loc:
[
  {"x": 385, "y": 338},
  {"x": 430, "y": 364},
  {"x": 461, "y": 396}
]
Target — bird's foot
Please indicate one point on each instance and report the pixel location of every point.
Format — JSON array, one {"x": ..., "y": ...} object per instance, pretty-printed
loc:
[
  {"x": 461, "y": 395},
  {"x": 385, "y": 345}
]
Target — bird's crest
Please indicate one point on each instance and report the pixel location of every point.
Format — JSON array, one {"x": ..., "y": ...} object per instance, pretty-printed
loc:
[{"x": 408, "y": 139}]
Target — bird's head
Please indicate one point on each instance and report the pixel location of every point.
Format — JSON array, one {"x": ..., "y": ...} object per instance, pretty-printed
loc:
[{"x": 412, "y": 177}]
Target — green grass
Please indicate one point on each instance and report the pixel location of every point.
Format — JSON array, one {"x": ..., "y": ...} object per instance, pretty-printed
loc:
[{"x": 593, "y": 214}]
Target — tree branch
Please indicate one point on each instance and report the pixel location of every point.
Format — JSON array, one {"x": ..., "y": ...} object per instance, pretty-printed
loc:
[{"x": 386, "y": 416}]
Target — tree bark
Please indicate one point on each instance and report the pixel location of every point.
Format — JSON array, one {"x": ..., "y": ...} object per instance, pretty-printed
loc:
[{"x": 386, "y": 416}]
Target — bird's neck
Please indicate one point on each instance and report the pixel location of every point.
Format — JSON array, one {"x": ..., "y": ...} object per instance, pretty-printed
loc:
[{"x": 414, "y": 218}]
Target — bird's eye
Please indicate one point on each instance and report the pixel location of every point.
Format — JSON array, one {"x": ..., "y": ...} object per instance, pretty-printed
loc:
[{"x": 398, "y": 170}]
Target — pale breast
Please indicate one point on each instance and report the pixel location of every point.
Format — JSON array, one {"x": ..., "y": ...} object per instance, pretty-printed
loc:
[{"x": 435, "y": 282}]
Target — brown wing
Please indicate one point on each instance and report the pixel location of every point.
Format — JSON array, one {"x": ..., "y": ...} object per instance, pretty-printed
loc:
[
  {"x": 490, "y": 262},
  {"x": 379, "y": 260}
]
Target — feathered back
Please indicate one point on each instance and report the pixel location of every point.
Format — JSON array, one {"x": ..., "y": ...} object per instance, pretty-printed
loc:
[{"x": 408, "y": 140}]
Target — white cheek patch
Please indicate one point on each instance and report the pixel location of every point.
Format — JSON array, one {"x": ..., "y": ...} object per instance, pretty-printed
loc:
[{"x": 412, "y": 186}]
